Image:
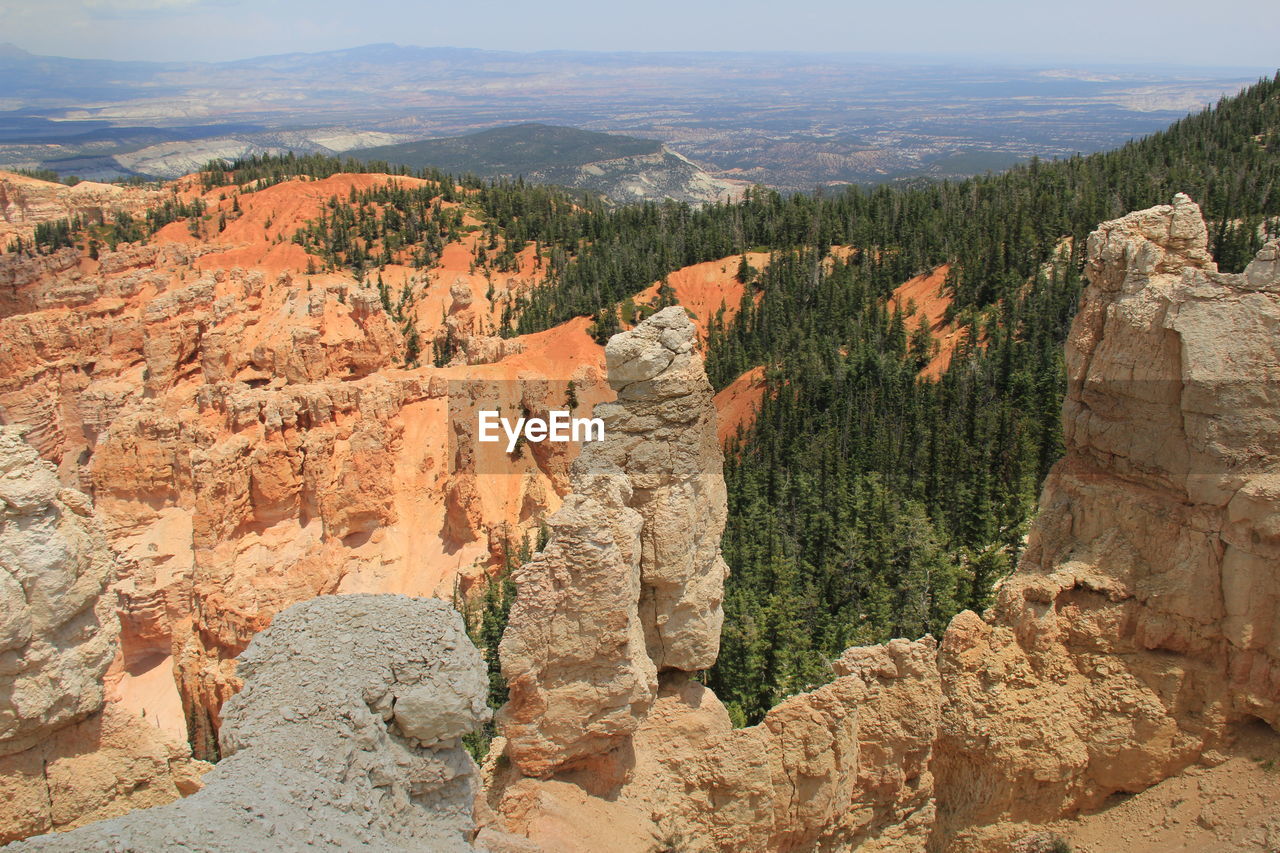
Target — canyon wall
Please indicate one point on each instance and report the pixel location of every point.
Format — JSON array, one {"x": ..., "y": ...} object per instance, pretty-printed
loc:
[
  {"x": 253, "y": 437},
  {"x": 24, "y": 202},
  {"x": 346, "y": 736}
]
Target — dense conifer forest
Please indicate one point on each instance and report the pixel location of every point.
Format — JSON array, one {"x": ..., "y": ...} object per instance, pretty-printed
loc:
[{"x": 865, "y": 502}]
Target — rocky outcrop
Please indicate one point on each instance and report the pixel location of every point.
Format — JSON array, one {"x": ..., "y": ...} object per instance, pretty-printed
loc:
[
  {"x": 87, "y": 345},
  {"x": 64, "y": 759},
  {"x": 346, "y": 736},
  {"x": 58, "y": 631},
  {"x": 573, "y": 654},
  {"x": 468, "y": 328},
  {"x": 1140, "y": 627},
  {"x": 631, "y": 581},
  {"x": 623, "y": 604},
  {"x": 663, "y": 430},
  {"x": 844, "y": 767},
  {"x": 1137, "y": 635},
  {"x": 24, "y": 202}
]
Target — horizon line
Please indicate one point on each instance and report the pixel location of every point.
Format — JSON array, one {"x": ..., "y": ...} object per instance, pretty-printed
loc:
[{"x": 931, "y": 58}]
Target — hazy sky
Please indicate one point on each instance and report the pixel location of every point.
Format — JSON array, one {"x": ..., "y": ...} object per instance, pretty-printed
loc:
[{"x": 1240, "y": 33}]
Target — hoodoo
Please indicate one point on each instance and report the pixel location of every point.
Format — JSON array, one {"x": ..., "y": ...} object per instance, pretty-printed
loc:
[{"x": 630, "y": 584}]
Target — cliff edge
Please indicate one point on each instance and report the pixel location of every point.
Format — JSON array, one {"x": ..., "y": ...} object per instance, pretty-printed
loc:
[{"x": 1139, "y": 631}]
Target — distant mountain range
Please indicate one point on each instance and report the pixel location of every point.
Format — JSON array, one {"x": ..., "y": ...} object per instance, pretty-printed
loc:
[{"x": 784, "y": 119}]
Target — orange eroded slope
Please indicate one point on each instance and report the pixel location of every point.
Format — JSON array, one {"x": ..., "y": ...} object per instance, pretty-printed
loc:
[
  {"x": 738, "y": 402},
  {"x": 925, "y": 293},
  {"x": 251, "y": 436},
  {"x": 704, "y": 288}
]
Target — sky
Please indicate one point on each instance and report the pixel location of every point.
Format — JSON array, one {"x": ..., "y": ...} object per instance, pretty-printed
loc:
[{"x": 1221, "y": 33}]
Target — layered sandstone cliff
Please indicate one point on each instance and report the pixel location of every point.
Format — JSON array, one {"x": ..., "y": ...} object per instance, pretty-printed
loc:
[
  {"x": 25, "y": 201},
  {"x": 65, "y": 759},
  {"x": 346, "y": 736}
]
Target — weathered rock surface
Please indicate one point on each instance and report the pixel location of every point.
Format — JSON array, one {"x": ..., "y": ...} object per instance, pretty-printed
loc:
[
  {"x": 842, "y": 767},
  {"x": 24, "y": 202},
  {"x": 1140, "y": 627},
  {"x": 346, "y": 736},
  {"x": 663, "y": 429},
  {"x": 631, "y": 581},
  {"x": 64, "y": 759},
  {"x": 1138, "y": 633},
  {"x": 249, "y": 438},
  {"x": 58, "y": 630},
  {"x": 236, "y": 475},
  {"x": 630, "y": 586}
]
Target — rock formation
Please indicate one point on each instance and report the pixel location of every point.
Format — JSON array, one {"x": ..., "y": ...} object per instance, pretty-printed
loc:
[
  {"x": 63, "y": 758},
  {"x": 249, "y": 437},
  {"x": 664, "y": 437},
  {"x": 631, "y": 581},
  {"x": 1140, "y": 627},
  {"x": 1137, "y": 635},
  {"x": 26, "y": 201},
  {"x": 250, "y": 442},
  {"x": 346, "y": 736},
  {"x": 623, "y": 605},
  {"x": 842, "y": 767}
]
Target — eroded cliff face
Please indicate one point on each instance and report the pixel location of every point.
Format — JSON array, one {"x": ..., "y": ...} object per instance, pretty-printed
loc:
[
  {"x": 346, "y": 736},
  {"x": 252, "y": 437},
  {"x": 24, "y": 202},
  {"x": 1137, "y": 634},
  {"x": 64, "y": 757},
  {"x": 1140, "y": 627}
]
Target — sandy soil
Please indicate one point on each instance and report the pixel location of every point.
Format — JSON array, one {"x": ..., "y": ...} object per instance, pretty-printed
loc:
[
  {"x": 704, "y": 288},
  {"x": 1234, "y": 806}
]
